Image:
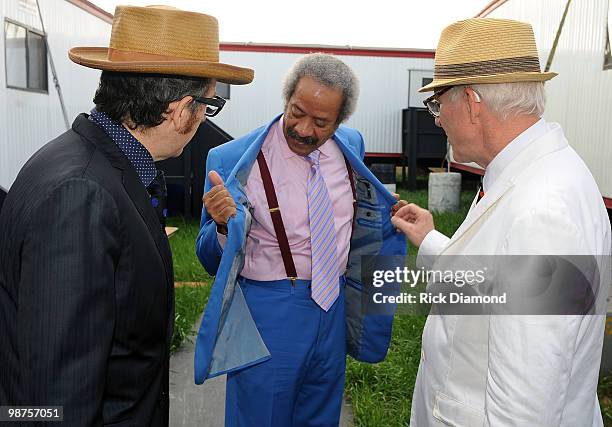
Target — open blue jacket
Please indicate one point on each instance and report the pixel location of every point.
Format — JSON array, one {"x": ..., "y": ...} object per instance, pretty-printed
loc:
[{"x": 228, "y": 339}]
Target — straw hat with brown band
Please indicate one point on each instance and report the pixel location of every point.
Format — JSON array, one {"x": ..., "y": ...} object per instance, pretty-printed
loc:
[
  {"x": 485, "y": 50},
  {"x": 162, "y": 40}
]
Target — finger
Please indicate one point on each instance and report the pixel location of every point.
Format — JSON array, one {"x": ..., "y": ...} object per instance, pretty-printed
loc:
[
  {"x": 215, "y": 178},
  {"x": 227, "y": 202},
  {"x": 397, "y": 206},
  {"x": 408, "y": 210},
  {"x": 405, "y": 226},
  {"x": 412, "y": 209},
  {"x": 210, "y": 194},
  {"x": 221, "y": 198},
  {"x": 218, "y": 193},
  {"x": 227, "y": 212},
  {"x": 397, "y": 196},
  {"x": 217, "y": 206}
]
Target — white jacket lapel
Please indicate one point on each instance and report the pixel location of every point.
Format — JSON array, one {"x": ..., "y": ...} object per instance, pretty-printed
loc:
[{"x": 552, "y": 141}]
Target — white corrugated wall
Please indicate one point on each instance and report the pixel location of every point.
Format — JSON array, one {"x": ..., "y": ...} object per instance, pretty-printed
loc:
[
  {"x": 580, "y": 97},
  {"x": 384, "y": 93},
  {"x": 27, "y": 119}
]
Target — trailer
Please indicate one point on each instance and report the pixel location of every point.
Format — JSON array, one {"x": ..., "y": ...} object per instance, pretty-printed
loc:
[
  {"x": 573, "y": 39},
  {"x": 36, "y": 38}
]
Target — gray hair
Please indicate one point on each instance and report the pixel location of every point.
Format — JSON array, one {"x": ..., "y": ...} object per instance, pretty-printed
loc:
[
  {"x": 329, "y": 71},
  {"x": 509, "y": 99}
]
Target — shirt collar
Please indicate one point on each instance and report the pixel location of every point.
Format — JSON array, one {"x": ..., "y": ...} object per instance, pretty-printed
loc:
[
  {"x": 286, "y": 151},
  {"x": 136, "y": 153},
  {"x": 510, "y": 151}
]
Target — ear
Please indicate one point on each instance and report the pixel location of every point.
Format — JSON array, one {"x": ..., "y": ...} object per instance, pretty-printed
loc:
[
  {"x": 179, "y": 112},
  {"x": 474, "y": 104}
]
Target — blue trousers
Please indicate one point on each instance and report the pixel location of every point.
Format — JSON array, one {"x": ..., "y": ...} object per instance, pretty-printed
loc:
[{"x": 302, "y": 384}]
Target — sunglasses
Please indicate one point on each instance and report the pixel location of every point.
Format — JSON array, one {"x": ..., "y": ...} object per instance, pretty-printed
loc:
[{"x": 213, "y": 105}]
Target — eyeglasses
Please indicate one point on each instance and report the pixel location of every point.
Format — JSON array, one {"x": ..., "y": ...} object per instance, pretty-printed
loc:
[
  {"x": 432, "y": 103},
  {"x": 213, "y": 105}
]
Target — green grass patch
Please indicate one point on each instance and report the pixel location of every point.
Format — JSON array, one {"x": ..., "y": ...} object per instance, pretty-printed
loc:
[
  {"x": 189, "y": 301},
  {"x": 381, "y": 394}
]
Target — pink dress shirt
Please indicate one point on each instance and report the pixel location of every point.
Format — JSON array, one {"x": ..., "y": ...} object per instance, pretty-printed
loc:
[{"x": 289, "y": 172}]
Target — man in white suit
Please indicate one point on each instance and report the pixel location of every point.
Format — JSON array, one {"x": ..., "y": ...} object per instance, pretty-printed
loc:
[{"x": 539, "y": 198}]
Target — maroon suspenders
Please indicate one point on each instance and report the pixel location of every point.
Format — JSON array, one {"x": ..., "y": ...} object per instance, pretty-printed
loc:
[
  {"x": 352, "y": 180},
  {"x": 277, "y": 219}
]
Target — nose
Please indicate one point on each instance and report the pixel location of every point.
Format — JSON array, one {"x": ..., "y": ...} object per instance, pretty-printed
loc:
[
  {"x": 304, "y": 127},
  {"x": 437, "y": 121}
]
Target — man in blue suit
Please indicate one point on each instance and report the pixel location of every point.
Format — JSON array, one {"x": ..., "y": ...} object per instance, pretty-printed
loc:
[{"x": 290, "y": 209}]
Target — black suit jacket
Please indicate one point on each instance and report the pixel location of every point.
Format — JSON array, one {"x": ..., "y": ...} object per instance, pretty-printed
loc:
[{"x": 86, "y": 286}]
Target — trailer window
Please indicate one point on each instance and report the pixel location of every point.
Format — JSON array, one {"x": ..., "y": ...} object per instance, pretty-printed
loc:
[
  {"x": 25, "y": 56},
  {"x": 607, "y": 53}
]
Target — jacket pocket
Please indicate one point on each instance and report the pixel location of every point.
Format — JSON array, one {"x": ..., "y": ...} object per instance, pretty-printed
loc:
[
  {"x": 454, "y": 413},
  {"x": 369, "y": 217}
]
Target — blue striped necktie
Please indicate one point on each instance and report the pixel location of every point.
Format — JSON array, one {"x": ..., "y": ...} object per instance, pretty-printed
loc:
[{"x": 324, "y": 258}]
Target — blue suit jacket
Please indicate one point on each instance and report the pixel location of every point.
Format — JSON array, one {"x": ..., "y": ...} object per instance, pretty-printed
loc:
[{"x": 228, "y": 339}]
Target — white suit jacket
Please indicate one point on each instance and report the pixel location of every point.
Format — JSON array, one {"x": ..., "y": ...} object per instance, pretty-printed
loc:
[{"x": 519, "y": 370}]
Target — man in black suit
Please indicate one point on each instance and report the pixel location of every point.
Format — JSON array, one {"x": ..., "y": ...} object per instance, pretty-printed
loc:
[{"x": 86, "y": 282}]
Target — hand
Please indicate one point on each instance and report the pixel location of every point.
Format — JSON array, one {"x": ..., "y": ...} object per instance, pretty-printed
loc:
[
  {"x": 414, "y": 221},
  {"x": 218, "y": 202},
  {"x": 398, "y": 205}
]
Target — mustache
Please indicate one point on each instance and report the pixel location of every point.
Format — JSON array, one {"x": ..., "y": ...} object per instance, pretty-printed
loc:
[{"x": 309, "y": 140}]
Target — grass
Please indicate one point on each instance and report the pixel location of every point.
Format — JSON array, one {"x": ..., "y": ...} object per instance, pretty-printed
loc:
[
  {"x": 380, "y": 394},
  {"x": 190, "y": 301}
]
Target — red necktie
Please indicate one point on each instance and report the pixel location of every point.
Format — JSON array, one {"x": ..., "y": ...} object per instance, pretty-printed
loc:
[{"x": 481, "y": 192}]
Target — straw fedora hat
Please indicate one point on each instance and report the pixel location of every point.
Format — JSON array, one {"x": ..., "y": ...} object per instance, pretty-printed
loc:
[
  {"x": 162, "y": 40},
  {"x": 485, "y": 50}
]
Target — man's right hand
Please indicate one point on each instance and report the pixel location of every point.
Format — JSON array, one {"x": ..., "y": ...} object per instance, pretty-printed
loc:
[
  {"x": 414, "y": 221},
  {"x": 218, "y": 201}
]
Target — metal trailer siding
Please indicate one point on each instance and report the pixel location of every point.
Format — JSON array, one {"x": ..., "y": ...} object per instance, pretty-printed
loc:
[
  {"x": 30, "y": 119},
  {"x": 580, "y": 97},
  {"x": 383, "y": 94}
]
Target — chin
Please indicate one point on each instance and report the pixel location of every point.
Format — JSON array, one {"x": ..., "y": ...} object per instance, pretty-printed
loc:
[
  {"x": 457, "y": 156},
  {"x": 172, "y": 155}
]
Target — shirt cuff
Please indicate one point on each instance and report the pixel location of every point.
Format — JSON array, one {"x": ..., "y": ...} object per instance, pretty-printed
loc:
[
  {"x": 431, "y": 246},
  {"x": 221, "y": 238}
]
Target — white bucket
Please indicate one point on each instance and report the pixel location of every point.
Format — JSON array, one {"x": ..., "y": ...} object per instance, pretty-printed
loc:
[
  {"x": 391, "y": 187},
  {"x": 444, "y": 192}
]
